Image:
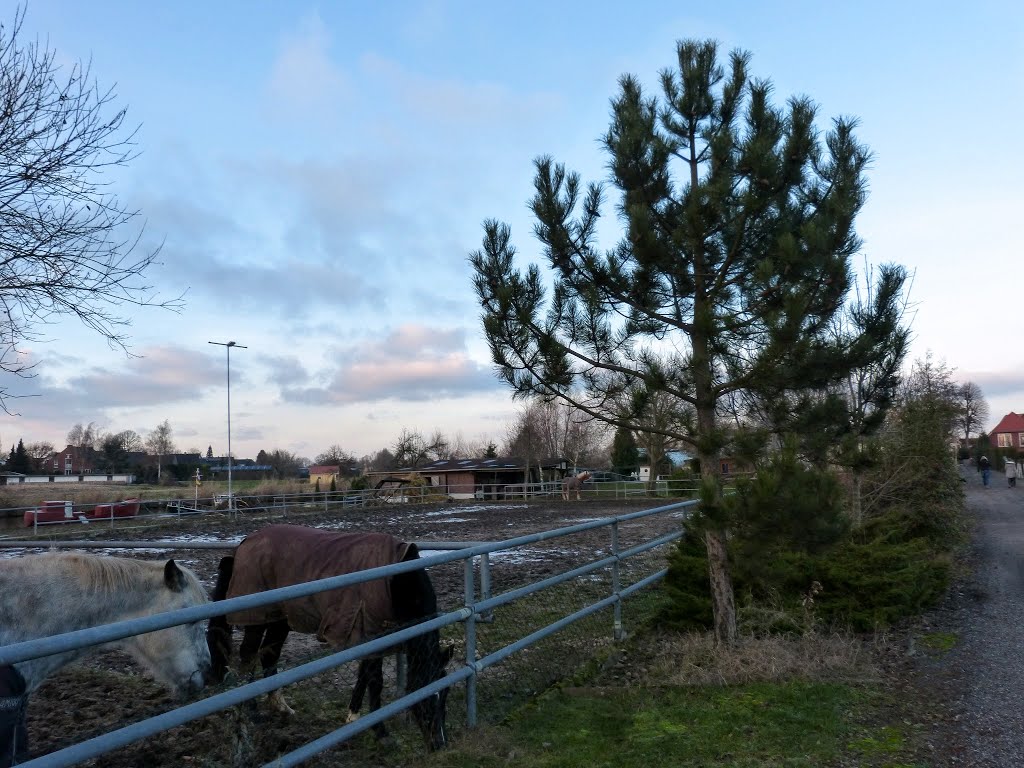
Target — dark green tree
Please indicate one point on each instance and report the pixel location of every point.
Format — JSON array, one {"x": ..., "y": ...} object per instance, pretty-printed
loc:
[
  {"x": 112, "y": 456},
  {"x": 492, "y": 451},
  {"x": 19, "y": 460},
  {"x": 625, "y": 454},
  {"x": 737, "y": 222}
]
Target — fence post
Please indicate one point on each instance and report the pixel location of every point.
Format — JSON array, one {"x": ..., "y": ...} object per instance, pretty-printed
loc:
[
  {"x": 617, "y": 632},
  {"x": 470, "y": 594},
  {"x": 485, "y": 585}
]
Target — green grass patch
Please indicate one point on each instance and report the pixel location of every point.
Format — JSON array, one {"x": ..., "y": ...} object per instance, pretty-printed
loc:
[
  {"x": 790, "y": 724},
  {"x": 938, "y": 641}
]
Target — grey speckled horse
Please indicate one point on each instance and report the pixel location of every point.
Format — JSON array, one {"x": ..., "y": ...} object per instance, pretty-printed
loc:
[
  {"x": 575, "y": 483},
  {"x": 44, "y": 595}
]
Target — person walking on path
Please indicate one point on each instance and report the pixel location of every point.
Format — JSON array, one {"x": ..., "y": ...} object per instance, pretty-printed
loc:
[
  {"x": 986, "y": 469},
  {"x": 1011, "y": 473}
]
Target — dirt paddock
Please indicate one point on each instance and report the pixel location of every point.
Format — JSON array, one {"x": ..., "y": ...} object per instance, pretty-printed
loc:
[{"x": 109, "y": 691}]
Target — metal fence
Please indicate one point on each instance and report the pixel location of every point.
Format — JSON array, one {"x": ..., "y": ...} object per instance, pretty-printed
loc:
[
  {"x": 160, "y": 510},
  {"x": 500, "y": 613}
]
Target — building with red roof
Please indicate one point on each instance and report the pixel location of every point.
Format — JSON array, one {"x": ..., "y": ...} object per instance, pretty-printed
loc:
[{"x": 1009, "y": 432}]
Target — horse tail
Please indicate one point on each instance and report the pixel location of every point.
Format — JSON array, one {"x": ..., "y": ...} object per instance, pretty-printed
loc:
[{"x": 218, "y": 632}]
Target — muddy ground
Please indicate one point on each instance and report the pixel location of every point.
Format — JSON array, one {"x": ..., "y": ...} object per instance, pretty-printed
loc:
[{"x": 109, "y": 691}]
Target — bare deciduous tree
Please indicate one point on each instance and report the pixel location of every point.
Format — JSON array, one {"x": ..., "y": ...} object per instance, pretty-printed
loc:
[
  {"x": 335, "y": 455},
  {"x": 412, "y": 449},
  {"x": 285, "y": 463},
  {"x": 130, "y": 441},
  {"x": 973, "y": 409},
  {"x": 38, "y": 453},
  {"x": 84, "y": 437},
  {"x": 159, "y": 442},
  {"x": 555, "y": 429},
  {"x": 67, "y": 246}
]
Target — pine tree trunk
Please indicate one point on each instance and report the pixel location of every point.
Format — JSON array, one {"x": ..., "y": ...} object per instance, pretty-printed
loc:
[
  {"x": 702, "y": 366},
  {"x": 721, "y": 587}
]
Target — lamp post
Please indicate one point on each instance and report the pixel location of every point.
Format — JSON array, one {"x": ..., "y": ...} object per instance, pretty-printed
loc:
[{"x": 228, "y": 345}]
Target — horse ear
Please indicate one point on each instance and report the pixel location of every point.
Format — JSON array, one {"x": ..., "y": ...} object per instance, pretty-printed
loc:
[{"x": 173, "y": 577}]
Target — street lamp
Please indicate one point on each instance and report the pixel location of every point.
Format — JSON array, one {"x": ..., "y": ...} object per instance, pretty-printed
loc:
[{"x": 229, "y": 345}]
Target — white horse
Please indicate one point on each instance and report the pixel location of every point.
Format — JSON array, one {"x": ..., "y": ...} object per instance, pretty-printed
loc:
[
  {"x": 44, "y": 595},
  {"x": 571, "y": 484}
]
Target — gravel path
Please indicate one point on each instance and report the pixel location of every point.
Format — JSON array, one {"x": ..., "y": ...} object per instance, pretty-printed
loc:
[{"x": 977, "y": 688}]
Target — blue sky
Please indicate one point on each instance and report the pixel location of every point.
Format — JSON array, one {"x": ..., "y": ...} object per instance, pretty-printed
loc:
[{"x": 318, "y": 173}]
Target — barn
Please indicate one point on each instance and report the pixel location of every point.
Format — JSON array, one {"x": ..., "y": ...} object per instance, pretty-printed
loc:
[{"x": 477, "y": 478}]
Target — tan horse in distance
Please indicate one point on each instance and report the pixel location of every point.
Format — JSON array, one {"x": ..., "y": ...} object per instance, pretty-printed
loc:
[{"x": 571, "y": 484}]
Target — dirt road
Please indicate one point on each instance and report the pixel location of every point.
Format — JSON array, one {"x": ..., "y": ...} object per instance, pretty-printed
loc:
[{"x": 977, "y": 688}]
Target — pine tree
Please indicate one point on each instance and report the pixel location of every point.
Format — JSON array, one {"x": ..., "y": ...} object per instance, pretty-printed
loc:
[
  {"x": 19, "y": 460},
  {"x": 734, "y": 261},
  {"x": 625, "y": 454}
]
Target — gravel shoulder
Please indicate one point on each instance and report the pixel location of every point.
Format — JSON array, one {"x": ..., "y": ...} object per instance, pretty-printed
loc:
[{"x": 969, "y": 697}]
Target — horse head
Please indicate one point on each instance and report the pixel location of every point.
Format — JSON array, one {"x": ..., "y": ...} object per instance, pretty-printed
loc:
[
  {"x": 177, "y": 656},
  {"x": 427, "y": 664},
  {"x": 218, "y": 633}
]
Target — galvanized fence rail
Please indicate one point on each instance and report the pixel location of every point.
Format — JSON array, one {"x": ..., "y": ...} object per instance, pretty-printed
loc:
[{"x": 475, "y": 610}]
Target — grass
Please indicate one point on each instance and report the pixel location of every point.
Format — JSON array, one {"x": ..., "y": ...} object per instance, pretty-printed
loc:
[
  {"x": 940, "y": 642},
  {"x": 677, "y": 700},
  {"x": 765, "y": 724}
]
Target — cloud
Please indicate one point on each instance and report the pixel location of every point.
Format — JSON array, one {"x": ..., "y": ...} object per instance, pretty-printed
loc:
[
  {"x": 285, "y": 370},
  {"x": 997, "y": 383},
  {"x": 160, "y": 375},
  {"x": 413, "y": 363},
  {"x": 303, "y": 77},
  {"x": 460, "y": 105}
]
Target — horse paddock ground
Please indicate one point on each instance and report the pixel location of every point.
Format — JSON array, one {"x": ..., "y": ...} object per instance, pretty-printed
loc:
[{"x": 109, "y": 691}]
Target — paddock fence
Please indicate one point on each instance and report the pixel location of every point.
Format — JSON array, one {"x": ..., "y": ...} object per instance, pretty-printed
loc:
[
  {"x": 523, "y": 614},
  {"x": 159, "y": 511}
]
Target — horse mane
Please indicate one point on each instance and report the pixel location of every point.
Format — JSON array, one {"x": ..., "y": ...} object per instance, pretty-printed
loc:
[{"x": 114, "y": 574}]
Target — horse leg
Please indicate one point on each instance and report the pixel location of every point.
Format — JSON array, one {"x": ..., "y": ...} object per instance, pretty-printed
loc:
[
  {"x": 356, "y": 702},
  {"x": 249, "y": 650},
  {"x": 270, "y": 653},
  {"x": 376, "y": 688},
  {"x": 370, "y": 677}
]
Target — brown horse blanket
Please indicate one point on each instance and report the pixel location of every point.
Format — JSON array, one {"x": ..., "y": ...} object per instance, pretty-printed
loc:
[{"x": 282, "y": 555}]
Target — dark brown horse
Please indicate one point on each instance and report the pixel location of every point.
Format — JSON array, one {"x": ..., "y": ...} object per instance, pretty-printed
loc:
[{"x": 283, "y": 555}]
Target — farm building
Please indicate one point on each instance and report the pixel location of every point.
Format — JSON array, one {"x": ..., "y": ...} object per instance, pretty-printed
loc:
[{"x": 477, "y": 478}]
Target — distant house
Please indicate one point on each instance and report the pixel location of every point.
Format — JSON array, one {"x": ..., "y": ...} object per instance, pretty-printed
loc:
[
  {"x": 1009, "y": 432},
  {"x": 674, "y": 459},
  {"x": 323, "y": 474},
  {"x": 72, "y": 460},
  {"x": 478, "y": 478}
]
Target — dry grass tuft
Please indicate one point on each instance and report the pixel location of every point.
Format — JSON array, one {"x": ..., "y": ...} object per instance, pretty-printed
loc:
[{"x": 695, "y": 659}]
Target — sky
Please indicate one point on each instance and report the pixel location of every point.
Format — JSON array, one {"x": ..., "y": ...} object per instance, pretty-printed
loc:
[{"x": 316, "y": 176}]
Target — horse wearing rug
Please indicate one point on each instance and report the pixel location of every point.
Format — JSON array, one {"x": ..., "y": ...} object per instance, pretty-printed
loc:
[
  {"x": 571, "y": 484},
  {"x": 44, "y": 595},
  {"x": 283, "y": 555}
]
